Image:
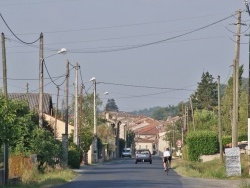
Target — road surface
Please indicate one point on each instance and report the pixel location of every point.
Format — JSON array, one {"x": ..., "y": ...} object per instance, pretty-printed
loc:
[{"x": 125, "y": 173}]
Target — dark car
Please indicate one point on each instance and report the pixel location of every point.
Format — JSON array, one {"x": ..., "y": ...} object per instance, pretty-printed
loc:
[{"x": 143, "y": 155}]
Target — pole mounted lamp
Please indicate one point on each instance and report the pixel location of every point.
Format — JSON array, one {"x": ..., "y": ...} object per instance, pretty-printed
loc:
[
  {"x": 94, "y": 142},
  {"x": 62, "y": 51}
]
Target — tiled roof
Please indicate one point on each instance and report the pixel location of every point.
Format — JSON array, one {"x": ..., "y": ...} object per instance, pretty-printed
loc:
[{"x": 33, "y": 100}]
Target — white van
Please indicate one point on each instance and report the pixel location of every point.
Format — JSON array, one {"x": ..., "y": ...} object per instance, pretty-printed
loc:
[{"x": 126, "y": 152}]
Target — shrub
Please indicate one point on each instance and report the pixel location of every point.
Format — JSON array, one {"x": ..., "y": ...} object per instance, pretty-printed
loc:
[
  {"x": 48, "y": 149},
  {"x": 75, "y": 156},
  {"x": 201, "y": 143}
]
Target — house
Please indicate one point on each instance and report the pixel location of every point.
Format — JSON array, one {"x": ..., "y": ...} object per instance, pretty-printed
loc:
[{"x": 33, "y": 101}]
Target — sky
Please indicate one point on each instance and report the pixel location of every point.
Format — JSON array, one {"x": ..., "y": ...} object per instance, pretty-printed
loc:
[{"x": 145, "y": 53}]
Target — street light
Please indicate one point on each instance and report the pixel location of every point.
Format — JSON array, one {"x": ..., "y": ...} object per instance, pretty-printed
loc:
[
  {"x": 62, "y": 51},
  {"x": 94, "y": 142}
]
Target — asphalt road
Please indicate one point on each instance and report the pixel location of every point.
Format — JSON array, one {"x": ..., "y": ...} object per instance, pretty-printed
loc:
[{"x": 125, "y": 173}]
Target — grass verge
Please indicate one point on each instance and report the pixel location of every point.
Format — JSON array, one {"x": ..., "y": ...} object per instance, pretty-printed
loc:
[
  {"x": 35, "y": 179},
  {"x": 212, "y": 169}
]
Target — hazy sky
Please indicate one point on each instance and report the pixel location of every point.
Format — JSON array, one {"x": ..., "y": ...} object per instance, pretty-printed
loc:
[{"x": 145, "y": 53}]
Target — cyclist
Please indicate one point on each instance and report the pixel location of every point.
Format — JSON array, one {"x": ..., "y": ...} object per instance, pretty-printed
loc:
[{"x": 166, "y": 158}]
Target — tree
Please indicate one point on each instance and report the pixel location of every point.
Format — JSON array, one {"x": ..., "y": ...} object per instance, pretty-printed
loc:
[
  {"x": 111, "y": 106},
  {"x": 205, "y": 120},
  {"x": 227, "y": 105},
  {"x": 86, "y": 123},
  {"x": 130, "y": 137},
  {"x": 106, "y": 135},
  {"x": 206, "y": 95}
]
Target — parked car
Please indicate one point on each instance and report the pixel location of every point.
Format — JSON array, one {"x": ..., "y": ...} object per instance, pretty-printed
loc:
[
  {"x": 126, "y": 152},
  {"x": 143, "y": 155}
]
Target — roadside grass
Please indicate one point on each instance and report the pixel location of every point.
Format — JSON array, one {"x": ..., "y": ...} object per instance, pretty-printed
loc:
[
  {"x": 211, "y": 169},
  {"x": 35, "y": 179}
]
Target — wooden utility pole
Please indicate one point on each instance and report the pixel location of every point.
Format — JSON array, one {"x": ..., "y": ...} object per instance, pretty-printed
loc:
[
  {"x": 184, "y": 122},
  {"x": 41, "y": 59},
  {"x": 27, "y": 88},
  {"x": 65, "y": 136},
  {"x": 219, "y": 122},
  {"x": 236, "y": 84},
  {"x": 186, "y": 114},
  {"x": 6, "y": 144},
  {"x": 67, "y": 99},
  {"x": 80, "y": 112},
  {"x": 56, "y": 113},
  {"x": 192, "y": 110},
  {"x": 76, "y": 140}
]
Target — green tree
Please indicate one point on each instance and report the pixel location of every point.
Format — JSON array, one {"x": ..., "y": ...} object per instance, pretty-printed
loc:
[
  {"x": 205, "y": 120},
  {"x": 206, "y": 94},
  {"x": 111, "y": 106},
  {"x": 87, "y": 121},
  {"x": 227, "y": 105},
  {"x": 106, "y": 134},
  {"x": 130, "y": 137}
]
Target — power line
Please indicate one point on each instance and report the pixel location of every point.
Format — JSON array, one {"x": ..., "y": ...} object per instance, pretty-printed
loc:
[
  {"x": 121, "y": 26},
  {"x": 155, "y": 42},
  {"x": 15, "y": 34},
  {"x": 148, "y": 87}
]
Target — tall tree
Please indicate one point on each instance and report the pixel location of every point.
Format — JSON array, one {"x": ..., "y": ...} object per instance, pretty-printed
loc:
[
  {"x": 227, "y": 105},
  {"x": 205, "y": 97},
  {"x": 111, "y": 106}
]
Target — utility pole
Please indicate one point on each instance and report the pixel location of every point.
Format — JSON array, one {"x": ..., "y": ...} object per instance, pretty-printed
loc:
[
  {"x": 56, "y": 114},
  {"x": 219, "y": 122},
  {"x": 80, "y": 112},
  {"x": 186, "y": 115},
  {"x": 41, "y": 81},
  {"x": 192, "y": 111},
  {"x": 65, "y": 136},
  {"x": 236, "y": 84},
  {"x": 27, "y": 88},
  {"x": 76, "y": 140},
  {"x": 67, "y": 98},
  {"x": 184, "y": 123},
  {"x": 95, "y": 125},
  {"x": 6, "y": 144},
  {"x": 248, "y": 109}
]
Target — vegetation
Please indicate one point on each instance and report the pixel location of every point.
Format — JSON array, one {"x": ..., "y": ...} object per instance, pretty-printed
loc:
[
  {"x": 111, "y": 106},
  {"x": 201, "y": 143},
  {"x": 210, "y": 169}
]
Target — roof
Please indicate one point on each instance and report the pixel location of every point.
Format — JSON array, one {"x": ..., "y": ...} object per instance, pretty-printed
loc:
[{"x": 33, "y": 100}]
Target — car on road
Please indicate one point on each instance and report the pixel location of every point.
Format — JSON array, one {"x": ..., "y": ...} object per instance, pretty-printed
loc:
[
  {"x": 126, "y": 152},
  {"x": 143, "y": 155}
]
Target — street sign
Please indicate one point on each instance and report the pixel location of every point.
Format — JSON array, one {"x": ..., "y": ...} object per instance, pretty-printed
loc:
[{"x": 178, "y": 143}]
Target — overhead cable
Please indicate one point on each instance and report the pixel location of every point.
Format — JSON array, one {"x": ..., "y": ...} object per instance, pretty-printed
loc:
[
  {"x": 148, "y": 87},
  {"x": 155, "y": 42},
  {"x": 15, "y": 34}
]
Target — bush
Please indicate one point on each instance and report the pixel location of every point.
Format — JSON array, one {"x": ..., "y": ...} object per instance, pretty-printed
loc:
[
  {"x": 75, "y": 156},
  {"x": 48, "y": 149},
  {"x": 201, "y": 143},
  {"x": 228, "y": 139}
]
